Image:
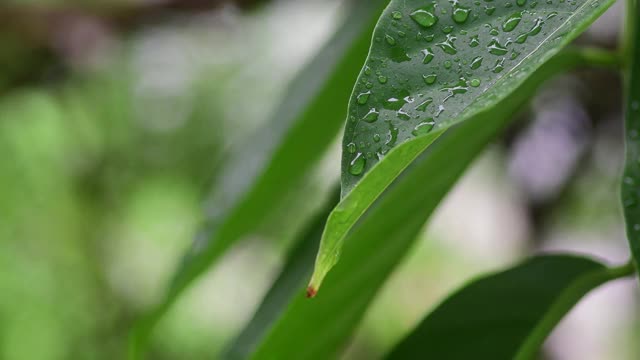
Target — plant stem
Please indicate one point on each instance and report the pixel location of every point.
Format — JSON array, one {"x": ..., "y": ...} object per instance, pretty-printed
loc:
[
  {"x": 565, "y": 302},
  {"x": 597, "y": 57},
  {"x": 628, "y": 27}
]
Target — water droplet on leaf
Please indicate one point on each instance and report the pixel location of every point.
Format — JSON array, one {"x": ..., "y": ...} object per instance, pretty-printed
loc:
[
  {"x": 476, "y": 62},
  {"x": 425, "y": 16},
  {"x": 428, "y": 55},
  {"x": 371, "y": 116},
  {"x": 403, "y": 115},
  {"x": 474, "y": 41},
  {"x": 392, "y": 135},
  {"x": 447, "y": 45},
  {"x": 511, "y": 22},
  {"x": 364, "y": 97},
  {"x": 496, "y": 48},
  {"x": 424, "y": 127},
  {"x": 357, "y": 165},
  {"x": 390, "y": 40},
  {"x": 460, "y": 13},
  {"x": 430, "y": 79},
  {"x": 423, "y": 105}
]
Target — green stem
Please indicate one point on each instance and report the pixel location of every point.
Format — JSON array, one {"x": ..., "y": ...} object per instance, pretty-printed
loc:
[
  {"x": 597, "y": 57},
  {"x": 626, "y": 44},
  {"x": 565, "y": 302}
]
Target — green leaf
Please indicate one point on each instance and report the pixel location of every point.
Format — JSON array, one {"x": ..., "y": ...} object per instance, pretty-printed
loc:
[
  {"x": 506, "y": 315},
  {"x": 292, "y": 277},
  {"x": 381, "y": 238},
  {"x": 262, "y": 171},
  {"x": 434, "y": 64},
  {"x": 631, "y": 177}
]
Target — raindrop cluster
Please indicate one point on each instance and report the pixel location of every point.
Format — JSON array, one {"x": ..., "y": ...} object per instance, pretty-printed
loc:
[{"x": 429, "y": 63}]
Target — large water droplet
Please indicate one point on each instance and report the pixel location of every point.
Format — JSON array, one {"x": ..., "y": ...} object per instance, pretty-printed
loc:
[
  {"x": 428, "y": 55},
  {"x": 392, "y": 135},
  {"x": 430, "y": 79},
  {"x": 357, "y": 165},
  {"x": 403, "y": 115},
  {"x": 476, "y": 62},
  {"x": 496, "y": 48},
  {"x": 371, "y": 116},
  {"x": 424, "y": 127},
  {"x": 390, "y": 40},
  {"x": 535, "y": 30},
  {"x": 423, "y": 105},
  {"x": 460, "y": 87},
  {"x": 493, "y": 30},
  {"x": 460, "y": 13},
  {"x": 425, "y": 16},
  {"x": 448, "y": 46},
  {"x": 474, "y": 41},
  {"x": 364, "y": 97},
  {"x": 499, "y": 66},
  {"x": 511, "y": 22}
]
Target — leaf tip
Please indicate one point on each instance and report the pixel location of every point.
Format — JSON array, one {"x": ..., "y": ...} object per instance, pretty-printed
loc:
[{"x": 311, "y": 292}]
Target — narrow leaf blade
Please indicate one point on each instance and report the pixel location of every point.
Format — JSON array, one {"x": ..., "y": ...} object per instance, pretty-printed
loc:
[{"x": 631, "y": 177}]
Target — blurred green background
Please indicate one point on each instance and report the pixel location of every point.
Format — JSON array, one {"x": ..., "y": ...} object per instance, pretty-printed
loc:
[{"x": 115, "y": 116}]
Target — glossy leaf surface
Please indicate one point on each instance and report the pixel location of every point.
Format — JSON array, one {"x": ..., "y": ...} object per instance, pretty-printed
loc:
[
  {"x": 433, "y": 64},
  {"x": 506, "y": 315}
]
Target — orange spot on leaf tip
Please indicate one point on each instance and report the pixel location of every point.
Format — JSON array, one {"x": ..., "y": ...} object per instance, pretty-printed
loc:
[{"x": 311, "y": 292}]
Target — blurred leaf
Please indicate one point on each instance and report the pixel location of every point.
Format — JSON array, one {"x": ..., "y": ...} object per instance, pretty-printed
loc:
[
  {"x": 631, "y": 177},
  {"x": 292, "y": 277},
  {"x": 384, "y": 235},
  {"x": 506, "y": 315},
  {"x": 260, "y": 172},
  {"x": 431, "y": 65}
]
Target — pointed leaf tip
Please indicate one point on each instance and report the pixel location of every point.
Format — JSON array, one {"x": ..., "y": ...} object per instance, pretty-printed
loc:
[{"x": 311, "y": 292}]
